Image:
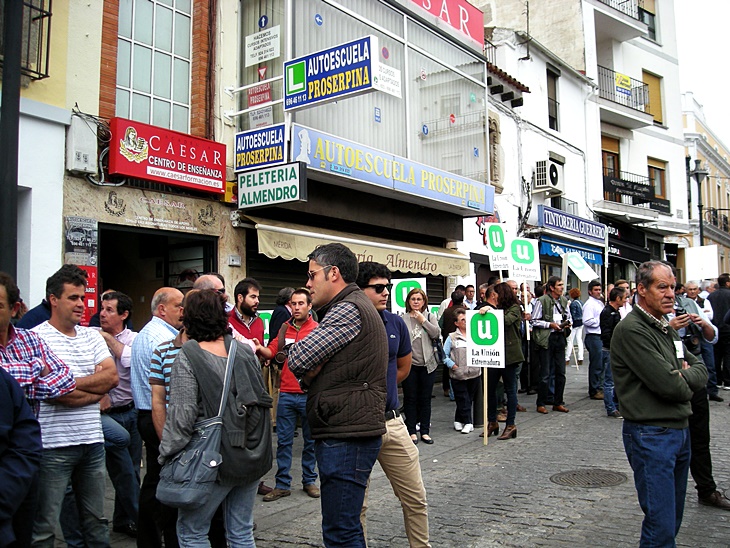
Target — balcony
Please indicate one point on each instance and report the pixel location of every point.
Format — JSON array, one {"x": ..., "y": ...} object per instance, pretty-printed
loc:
[
  {"x": 36, "y": 39},
  {"x": 630, "y": 196},
  {"x": 623, "y": 101},
  {"x": 454, "y": 123},
  {"x": 618, "y": 20}
]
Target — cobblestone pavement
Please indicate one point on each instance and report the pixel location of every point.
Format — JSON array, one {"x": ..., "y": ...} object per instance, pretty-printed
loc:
[{"x": 501, "y": 494}]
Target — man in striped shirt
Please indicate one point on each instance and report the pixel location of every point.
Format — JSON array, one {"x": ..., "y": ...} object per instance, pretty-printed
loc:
[{"x": 73, "y": 443}]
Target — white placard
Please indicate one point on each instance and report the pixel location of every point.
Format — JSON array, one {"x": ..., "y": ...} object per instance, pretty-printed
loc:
[
  {"x": 700, "y": 263},
  {"x": 524, "y": 259},
  {"x": 485, "y": 339},
  {"x": 261, "y": 117},
  {"x": 263, "y": 46},
  {"x": 400, "y": 291},
  {"x": 579, "y": 266},
  {"x": 388, "y": 80},
  {"x": 497, "y": 243}
]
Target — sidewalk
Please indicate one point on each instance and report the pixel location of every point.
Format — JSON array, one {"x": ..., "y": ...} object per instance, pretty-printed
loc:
[{"x": 501, "y": 494}]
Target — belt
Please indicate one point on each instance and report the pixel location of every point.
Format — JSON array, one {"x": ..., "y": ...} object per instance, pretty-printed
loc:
[
  {"x": 593, "y": 334},
  {"x": 121, "y": 408},
  {"x": 390, "y": 415}
]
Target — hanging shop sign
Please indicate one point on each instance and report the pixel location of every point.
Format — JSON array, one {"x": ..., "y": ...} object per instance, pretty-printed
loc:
[
  {"x": 259, "y": 147},
  {"x": 165, "y": 156},
  {"x": 416, "y": 182},
  {"x": 547, "y": 217},
  {"x": 460, "y": 15},
  {"x": 628, "y": 188},
  {"x": 331, "y": 74},
  {"x": 273, "y": 185}
]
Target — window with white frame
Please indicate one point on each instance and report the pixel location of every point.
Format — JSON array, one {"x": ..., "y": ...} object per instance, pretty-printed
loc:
[{"x": 153, "y": 62}]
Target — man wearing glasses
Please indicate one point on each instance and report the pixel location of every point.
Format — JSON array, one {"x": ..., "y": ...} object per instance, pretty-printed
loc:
[
  {"x": 398, "y": 455},
  {"x": 343, "y": 365}
]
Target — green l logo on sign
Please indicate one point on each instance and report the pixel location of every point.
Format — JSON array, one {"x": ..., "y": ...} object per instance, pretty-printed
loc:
[
  {"x": 484, "y": 329},
  {"x": 296, "y": 78},
  {"x": 401, "y": 290},
  {"x": 496, "y": 238},
  {"x": 522, "y": 252}
]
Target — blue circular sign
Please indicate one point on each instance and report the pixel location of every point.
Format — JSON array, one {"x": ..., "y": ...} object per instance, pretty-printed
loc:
[
  {"x": 263, "y": 21},
  {"x": 424, "y": 129},
  {"x": 318, "y": 19}
]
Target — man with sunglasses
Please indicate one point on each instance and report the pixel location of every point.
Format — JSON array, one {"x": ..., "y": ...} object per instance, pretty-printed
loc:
[
  {"x": 343, "y": 364},
  {"x": 398, "y": 455}
]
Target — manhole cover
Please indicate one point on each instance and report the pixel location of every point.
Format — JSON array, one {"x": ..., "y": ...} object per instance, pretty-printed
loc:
[{"x": 590, "y": 477}]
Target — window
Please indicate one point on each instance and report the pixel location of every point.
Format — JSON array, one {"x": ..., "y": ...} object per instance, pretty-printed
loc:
[
  {"x": 610, "y": 153},
  {"x": 153, "y": 62},
  {"x": 552, "y": 93},
  {"x": 654, "y": 84},
  {"x": 657, "y": 177},
  {"x": 647, "y": 14}
]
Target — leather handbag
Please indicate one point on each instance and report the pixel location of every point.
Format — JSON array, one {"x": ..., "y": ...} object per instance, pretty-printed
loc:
[
  {"x": 438, "y": 351},
  {"x": 187, "y": 479}
]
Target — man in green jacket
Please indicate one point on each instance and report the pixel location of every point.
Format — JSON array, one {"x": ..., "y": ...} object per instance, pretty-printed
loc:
[{"x": 655, "y": 378}]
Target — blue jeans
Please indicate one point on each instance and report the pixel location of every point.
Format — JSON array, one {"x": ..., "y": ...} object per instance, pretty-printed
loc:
[
  {"x": 708, "y": 356},
  {"x": 660, "y": 459},
  {"x": 344, "y": 468},
  {"x": 595, "y": 366},
  {"x": 123, "y": 465},
  {"x": 609, "y": 395},
  {"x": 552, "y": 361},
  {"x": 83, "y": 467},
  {"x": 238, "y": 502},
  {"x": 289, "y": 408}
]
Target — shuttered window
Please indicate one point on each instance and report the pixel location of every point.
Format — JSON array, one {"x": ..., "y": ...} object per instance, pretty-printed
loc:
[{"x": 654, "y": 83}]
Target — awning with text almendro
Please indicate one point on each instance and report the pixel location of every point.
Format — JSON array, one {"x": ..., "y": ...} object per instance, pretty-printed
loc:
[{"x": 290, "y": 241}]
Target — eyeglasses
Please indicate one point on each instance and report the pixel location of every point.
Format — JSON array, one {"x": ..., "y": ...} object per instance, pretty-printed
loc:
[
  {"x": 379, "y": 288},
  {"x": 311, "y": 273}
]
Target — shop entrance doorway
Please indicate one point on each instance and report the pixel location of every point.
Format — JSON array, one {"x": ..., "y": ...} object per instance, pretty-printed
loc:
[{"x": 139, "y": 261}]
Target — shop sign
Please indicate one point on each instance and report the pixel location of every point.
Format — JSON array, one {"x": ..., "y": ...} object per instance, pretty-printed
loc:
[
  {"x": 263, "y": 46},
  {"x": 524, "y": 261},
  {"x": 334, "y": 155},
  {"x": 621, "y": 232},
  {"x": 81, "y": 247},
  {"x": 273, "y": 185},
  {"x": 485, "y": 339},
  {"x": 400, "y": 291},
  {"x": 387, "y": 79},
  {"x": 165, "y": 156},
  {"x": 458, "y": 14},
  {"x": 628, "y": 188},
  {"x": 262, "y": 117},
  {"x": 555, "y": 219},
  {"x": 259, "y": 95},
  {"x": 259, "y": 147},
  {"x": 330, "y": 74}
]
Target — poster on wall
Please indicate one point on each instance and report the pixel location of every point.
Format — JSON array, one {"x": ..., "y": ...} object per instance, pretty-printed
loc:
[{"x": 81, "y": 247}]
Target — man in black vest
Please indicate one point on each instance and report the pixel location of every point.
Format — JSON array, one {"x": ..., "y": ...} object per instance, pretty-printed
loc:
[{"x": 342, "y": 364}]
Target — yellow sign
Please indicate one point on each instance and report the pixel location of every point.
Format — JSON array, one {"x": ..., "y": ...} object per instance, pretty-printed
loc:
[{"x": 623, "y": 84}]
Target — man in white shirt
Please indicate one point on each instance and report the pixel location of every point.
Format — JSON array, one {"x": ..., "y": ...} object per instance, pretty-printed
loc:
[
  {"x": 73, "y": 443},
  {"x": 592, "y": 309},
  {"x": 470, "y": 300}
]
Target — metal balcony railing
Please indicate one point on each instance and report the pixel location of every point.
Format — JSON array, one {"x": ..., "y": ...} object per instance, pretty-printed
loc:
[
  {"x": 621, "y": 89},
  {"x": 460, "y": 122},
  {"x": 36, "y": 38},
  {"x": 629, "y": 7},
  {"x": 564, "y": 204},
  {"x": 490, "y": 52},
  {"x": 627, "y": 188}
]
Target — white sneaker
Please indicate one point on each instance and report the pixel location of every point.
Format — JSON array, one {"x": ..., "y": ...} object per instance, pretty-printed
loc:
[
  {"x": 467, "y": 428},
  {"x": 458, "y": 426}
]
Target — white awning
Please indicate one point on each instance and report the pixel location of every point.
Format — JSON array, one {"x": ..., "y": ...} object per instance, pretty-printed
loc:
[{"x": 290, "y": 241}]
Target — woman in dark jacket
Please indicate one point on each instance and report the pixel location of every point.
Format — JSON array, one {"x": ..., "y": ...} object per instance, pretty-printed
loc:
[
  {"x": 576, "y": 330},
  {"x": 507, "y": 301}
]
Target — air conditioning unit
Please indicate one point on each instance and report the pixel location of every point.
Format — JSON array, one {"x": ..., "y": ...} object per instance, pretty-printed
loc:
[{"x": 549, "y": 178}]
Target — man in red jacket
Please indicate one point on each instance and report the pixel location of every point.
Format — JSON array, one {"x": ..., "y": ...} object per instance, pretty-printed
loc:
[
  {"x": 244, "y": 317},
  {"x": 292, "y": 401}
]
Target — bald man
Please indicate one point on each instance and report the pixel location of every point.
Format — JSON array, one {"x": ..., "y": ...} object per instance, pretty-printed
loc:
[{"x": 167, "y": 312}]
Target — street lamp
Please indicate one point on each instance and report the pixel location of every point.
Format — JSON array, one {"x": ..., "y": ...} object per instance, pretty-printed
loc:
[{"x": 700, "y": 175}]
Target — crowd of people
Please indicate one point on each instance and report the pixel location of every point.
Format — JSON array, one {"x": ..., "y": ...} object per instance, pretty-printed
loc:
[{"x": 84, "y": 402}]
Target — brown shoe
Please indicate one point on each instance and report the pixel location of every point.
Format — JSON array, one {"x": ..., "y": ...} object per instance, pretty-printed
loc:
[
  {"x": 560, "y": 408},
  {"x": 541, "y": 409},
  {"x": 264, "y": 489},
  {"x": 502, "y": 417},
  {"x": 510, "y": 431},
  {"x": 276, "y": 494},
  {"x": 521, "y": 409},
  {"x": 716, "y": 499},
  {"x": 598, "y": 395},
  {"x": 492, "y": 429},
  {"x": 312, "y": 490}
]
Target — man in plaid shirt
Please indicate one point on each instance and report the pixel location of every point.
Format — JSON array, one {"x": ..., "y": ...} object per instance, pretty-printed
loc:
[{"x": 41, "y": 374}]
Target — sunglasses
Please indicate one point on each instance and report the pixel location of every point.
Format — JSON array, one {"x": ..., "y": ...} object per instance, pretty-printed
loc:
[
  {"x": 311, "y": 273},
  {"x": 379, "y": 288}
]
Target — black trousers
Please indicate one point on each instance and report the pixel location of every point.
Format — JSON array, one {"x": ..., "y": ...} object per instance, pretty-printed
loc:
[
  {"x": 722, "y": 360},
  {"x": 700, "y": 464}
]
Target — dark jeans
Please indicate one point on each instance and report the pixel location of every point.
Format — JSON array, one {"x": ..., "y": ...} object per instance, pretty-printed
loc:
[
  {"x": 417, "y": 389},
  {"x": 700, "y": 464},
  {"x": 596, "y": 366},
  {"x": 464, "y": 393},
  {"x": 508, "y": 376},
  {"x": 722, "y": 360},
  {"x": 609, "y": 394},
  {"x": 534, "y": 366},
  {"x": 123, "y": 467},
  {"x": 552, "y": 360},
  {"x": 155, "y": 519},
  {"x": 708, "y": 356}
]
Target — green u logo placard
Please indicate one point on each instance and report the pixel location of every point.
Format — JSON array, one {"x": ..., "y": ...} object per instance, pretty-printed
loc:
[
  {"x": 495, "y": 235},
  {"x": 484, "y": 329},
  {"x": 522, "y": 252}
]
